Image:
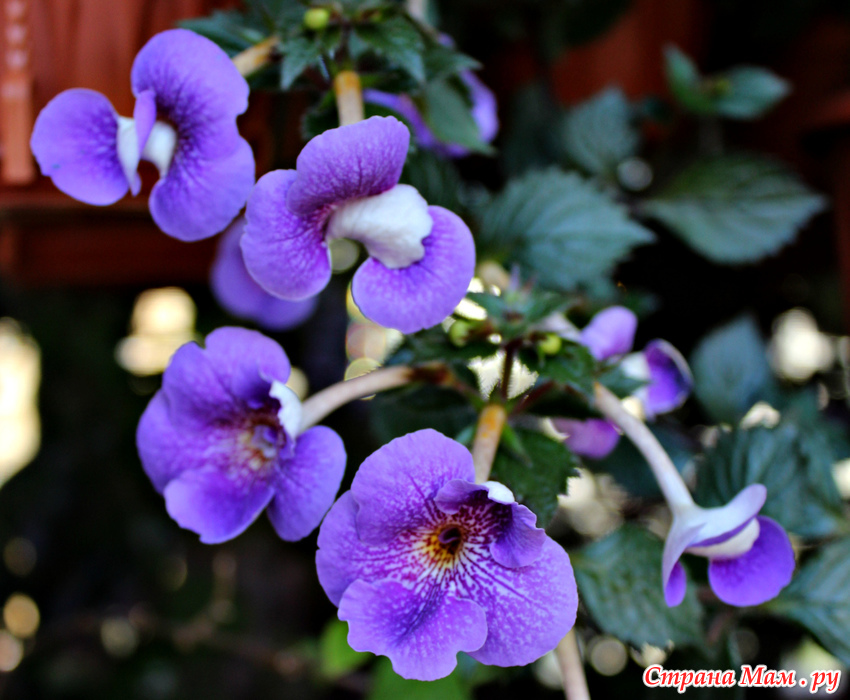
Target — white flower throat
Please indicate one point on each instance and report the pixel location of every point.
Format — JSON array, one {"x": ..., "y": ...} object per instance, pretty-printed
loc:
[{"x": 159, "y": 148}]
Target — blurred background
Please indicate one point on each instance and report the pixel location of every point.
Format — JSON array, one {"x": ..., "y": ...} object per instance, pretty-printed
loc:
[{"x": 102, "y": 594}]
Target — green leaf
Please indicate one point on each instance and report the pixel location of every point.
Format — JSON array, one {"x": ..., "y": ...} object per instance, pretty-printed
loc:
[
  {"x": 396, "y": 413},
  {"x": 397, "y": 41},
  {"x": 794, "y": 464},
  {"x": 818, "y": 597},
  {"x": 598, "y": 134},
  {"x": 436, "y": 179},
  {"x": 448, "y": 113},
  {"x": 227, "y": 29},
  {"x": 744, "y": 92},
  {"x": 299, "y": 53},
  {"x": 537, "y": 476},
  {"x": 572, "y": 367},
  {"x": 560, "y": 228},
  {"x": 442, "y": 61},
  {"x": 336, "y": 657},
  {"x": 387, "y": 685},
  {"x": 735, "y": 209},
  {"x": 619, "y": 581},
  {"x": 731, "y": 371},
  {"x": 532, "y": 142}
]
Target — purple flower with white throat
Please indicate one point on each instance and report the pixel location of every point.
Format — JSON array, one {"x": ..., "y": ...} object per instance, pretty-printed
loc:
[
  {"x": 484, "y": 112},
  {"x": 238, "y": 293},
  {"x": 424, "y": 563},
  {"x": 221, "y": 441},
  {"x": 188, "y": 95},
  {"x": 750, "y": 556},
  {"x": 421, "y": 258}
]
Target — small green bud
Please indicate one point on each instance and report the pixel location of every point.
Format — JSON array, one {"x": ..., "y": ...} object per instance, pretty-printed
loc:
[
  {"x": 317, "y": 18},
  {"x": 551, "y": 344},
  {"x": 459, "y": 333}
]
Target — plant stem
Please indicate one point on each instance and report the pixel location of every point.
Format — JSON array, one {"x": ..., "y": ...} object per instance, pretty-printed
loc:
[
  {"x": 572, "y": 668},
  {"x": 349, "y": 97},
  {"x": 488, "y": 432},
  {"x": 255, "y": 57},
  {"x": 319, "y": 405},
  {"x": 672, "y": 486}
]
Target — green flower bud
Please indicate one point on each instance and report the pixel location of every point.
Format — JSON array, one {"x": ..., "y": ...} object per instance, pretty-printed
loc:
[
  {"x": 551, "y": 344},
  {"x": 317, "y": 18},
  {"x": 459, "y": 333}
]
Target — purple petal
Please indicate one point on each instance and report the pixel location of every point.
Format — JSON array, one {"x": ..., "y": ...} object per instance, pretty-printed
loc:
[
  {"x": 144, "y": 116},
  {"x": 206, "y": 185},
  {"x": 758, "y": 575},
  {"x": 594, "y": 438},
  {"x": 529, "y": 610},
  {"x": 349, "y": 162},
  {"x": 677, "y": 584},
  {"x": 670, "y": 378},
  {"x": 246, "y": 363},
  {"x": 421, "y": 632},
  {"x": 484, "y": 107},
  {"x": 424, "y": 293},
  {"x": 238, "y": 293},
  {"x": 305, "y": 486},
  {"x": 75, "y": 143},
  {"x": 286, "y": 254},
  {"x": 216, "y": 507},
  {"x": 196, "y": 84},
  {"x": 393, "y": 499},
  {"x": 611, "y": 332}
]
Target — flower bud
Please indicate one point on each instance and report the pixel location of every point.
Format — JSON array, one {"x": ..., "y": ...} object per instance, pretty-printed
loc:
[
  {"x": 316, "y": 18},
  {"x": 551, "y": 344},
  {"x": 459, "y": 333}
]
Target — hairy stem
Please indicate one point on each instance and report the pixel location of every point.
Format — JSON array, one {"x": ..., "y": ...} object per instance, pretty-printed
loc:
[
  {"x": 321, "y": 404},
  {"x": 252, "y": 59},
  {"x": 669, "y": 480},
  {"x": 488, "y": 432},
  {"x": 349, "y": 97},
  {"x": 572, "y": 668}
]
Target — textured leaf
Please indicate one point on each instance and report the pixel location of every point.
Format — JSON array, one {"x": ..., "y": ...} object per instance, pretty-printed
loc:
[
  {"x": 531, "y": 142},
  {"x": 560, "y": 228},
  {"x": 538, "y": 474},
  {"x": 299, "y": 53},
  {"x": 794, "y": 464},
  {"x": 743, "y": 92},
  {"x": 731, "y": 371},
  {"x": 396, "y": 413},
  {"x": 436, "y": 179},
  {"x": 337, "y": 658},
  {"x": 448, "y": 113},
  {"x": 619, "y": 581},
  {"x": 598, "y": 134},
  {"x": 442, "y": 61},
  {"x": 735, "y": 209},
  {"x": 818, "y": 597},
  {"x": 572, "y": 367},
  {"x": 396, "y": 40}
]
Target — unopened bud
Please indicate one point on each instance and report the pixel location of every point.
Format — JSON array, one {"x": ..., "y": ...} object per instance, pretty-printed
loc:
[
  {"x": 316, "y": 18},
  {"x": 459, "y": 333},
  {"x": 551, "y": 344}
]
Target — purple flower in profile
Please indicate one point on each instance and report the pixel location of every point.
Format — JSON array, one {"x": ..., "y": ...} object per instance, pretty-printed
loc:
[
  {"x": 750, "y": 556},
  {"x": 594, "y": 438},
  {"x": 220, "y": 441},
  {"x": 238, "y": 293},
  {"x": 484, "y": 112},
  {"x": 188, "y": 95},
  {"x": 424, "y": 563},
  {"x": 421, "y": 258}
]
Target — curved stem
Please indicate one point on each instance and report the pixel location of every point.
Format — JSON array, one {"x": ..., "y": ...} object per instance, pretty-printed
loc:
[
  {"x": 349, "y": 97},
  {"x": 572, "y": 668},
  {"x": 255, "y": 57},
  {"x": 668, "y": 478},
  {"x": 488, "y": 432},
  {"x": 319, "y": 405}
]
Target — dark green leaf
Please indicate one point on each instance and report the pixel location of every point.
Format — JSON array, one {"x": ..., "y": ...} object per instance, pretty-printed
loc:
[
  {"x": 598, "y": 134},
  {"x": 443, "y": 61},
  {"x": 397, "y": 41},
  {"x": 448, "y": 113},
  {"x": 572, "y": 367},
  {"x": 744, "y": 92},
  {"x": 532, "y": 141},
  {"x": 619, "y": 581},
  {"x": 299, "y": 53},
  {"x": 560, "y": 228},
  {"x": 387, "y": 685},
  {"x": 794, "y": 464},
  {"x": 227, "y": 29},
  {"x": 617, "y": 381},
  {"x": 537, "y": 476},
  {"x": 436, "y": 179},
  {"x": 818, "y": 597},
  {"x": 731, "y": 371},
  {"x": 336, "y": 657},
  {"x": 396, "y": 413},
  {"x": 735, "y": 209}
]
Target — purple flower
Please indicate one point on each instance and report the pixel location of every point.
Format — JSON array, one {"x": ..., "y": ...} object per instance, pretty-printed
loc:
[
  {"x": 220, "y": 441},
  {"x": 421, "y": 258},
  {"x": 188, "y": 95},
  {"x": 424, "y": 563},
  {"x": 750, "y": 556},
  {"x": 240, "y": 295},
  {"x": 484, "y": 112},
  {"x": 610, "y": 333},
  {"x": 594, "y": 438}
]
